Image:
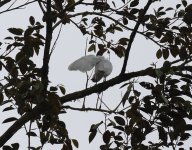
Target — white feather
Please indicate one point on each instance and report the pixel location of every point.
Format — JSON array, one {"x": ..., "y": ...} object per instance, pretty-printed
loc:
[
  {"x": 83, "y": 64},
  {"x": 103, "y": 67}
]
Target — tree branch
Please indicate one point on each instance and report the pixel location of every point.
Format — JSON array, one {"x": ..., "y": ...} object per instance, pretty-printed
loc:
[
  {"x": 90, "y": 109},
  {"x": 133, "y": 34},
  {"x": 39, "y": 109},
  {"x": 46, "y": 56},
  {"x": 110, "y": 18},
  {"x": 18, "y": 7},
  {"x": 45, "y": 106}
]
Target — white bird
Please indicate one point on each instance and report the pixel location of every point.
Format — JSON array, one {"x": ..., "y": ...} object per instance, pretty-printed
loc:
[{"x": 103, "y": 67}]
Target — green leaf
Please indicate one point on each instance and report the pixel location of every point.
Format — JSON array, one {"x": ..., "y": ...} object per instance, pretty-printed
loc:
[
  {"x": 43, "y": 138},
  {"x": 6, "y": 147},
  {"x": 118, "y": 29},
  {"x": 123, "y": 41},
  {"x": 32, "y": 20},
  {"x": 127, "y": 93},
  {"x": 91, "y": 48},
  {"x": 1, "y": 98},
  {"x": 95, "y": 126},
  {"x": 184, "y": 2},
  {"x": 8, "y": 108},
  {"x": 8, "y": 38},
  {"x": 9, "y": 120},
  {"x": 165, "y": 53},
  {"x": 15, "y": 146},
  {"x": 147, "y": 85},
  {"x": 53, "y": 88},
  {"x": 119, "y": 120},
  {"x": 118, "y": 138},
  {"x": 107, "y": 136},
  {"x": 159, "y": 54},
  {"x": 31, "y": 134},
  {"x": 162, "y": 134},
  {"x": 15, "y": 31},
  {"x": 4, "y": 2},
  {"x": 92, "y": 135},
  {"x": 125, "y": 21},
  {"x": 134, "y": 3},
  {"x": 28, "y": 32},
  {"x": 62, "y": 89},
  {"x": 174, "y": 51},
  {"x": 75, "y": 142},
  {"x": 125, "y": 97}
]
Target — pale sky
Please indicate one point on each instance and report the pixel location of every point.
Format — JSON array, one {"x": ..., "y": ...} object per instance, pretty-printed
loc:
[{"x": 71, "y": 46}]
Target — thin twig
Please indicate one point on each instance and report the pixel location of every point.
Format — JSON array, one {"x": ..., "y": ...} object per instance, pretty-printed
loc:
[
  {"x": 18, "y": 7},
  {"x": 54, "y": 44},
  {"x": 89, "y": 109}
]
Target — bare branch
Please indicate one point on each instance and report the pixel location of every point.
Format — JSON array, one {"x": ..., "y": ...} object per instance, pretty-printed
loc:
[
  {"x": 133, "y": 34},
  {"x": 18, "y": 7},
  {"x": 45, "y": 106}
]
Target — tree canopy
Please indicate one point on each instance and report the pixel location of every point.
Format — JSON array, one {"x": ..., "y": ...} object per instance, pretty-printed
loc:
[{"x": 159, "y": 105}]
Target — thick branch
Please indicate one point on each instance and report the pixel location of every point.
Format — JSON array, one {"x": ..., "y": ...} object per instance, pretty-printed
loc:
[
  {"x": 46, "y": 56},
  {"x": 21, "y": 121},
  {"x": 133, "y": 34},
  {"x": 105, "y": 85},
  {"x": 43, "y": 107}
]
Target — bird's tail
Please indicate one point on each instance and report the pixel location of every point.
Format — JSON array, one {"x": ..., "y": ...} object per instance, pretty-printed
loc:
[{"x": 97, "y": 76}]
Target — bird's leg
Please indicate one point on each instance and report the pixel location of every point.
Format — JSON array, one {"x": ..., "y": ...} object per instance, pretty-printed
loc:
[
  {"x": 101, "y": 100},
  {"x": 97, "y": 100},
  {"x": 86, "y": 85}
]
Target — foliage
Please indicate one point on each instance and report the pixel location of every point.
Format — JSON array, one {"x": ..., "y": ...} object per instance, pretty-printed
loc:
[{"x": 164, "y": 111}]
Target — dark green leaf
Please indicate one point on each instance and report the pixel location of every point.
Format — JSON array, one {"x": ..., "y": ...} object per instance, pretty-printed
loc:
[
  {"x": 6, "y": 147},
  {"x": 165, "y": 53},
  {"x": 9, "y": 120},
  {"x": 118, "y": 29},
  {"x": 62, "y": 89},
  {"x": 28, "y": 32},
  {"x": 125, "y": 21},
  {"x": 180, "y": 143},
  {"x": 32, "y": 20},
  {"x": 53, "y": 88},
  {"x": 123, "y": 41},
  {"x": 125, "y": 97},
  {"x": 1, "y": 98},
  {"x": 3, "y": 2},
  {"x": 8, "y": 108},
  {"x": 43, "y": 138},
  {"x": 118, "y": 138},
  {"x": 119, "y": 120},
  {"x": 91, "y": 48},
  {"x": 15, "y": 31},
  {"x": 184, "y": 2},
  {"x": 147, "y": 85},
  {"x": 134, "y": 3},
  {"x": 159, "y": 54},
  {"x": 15, "y": 146},
  {"x": 75, "y": 142},
  {"x": 92, "y": 135},
  {"x": 162, "y": 134},
  {"x": 31, "y": 134},
  {"x": 185, "y": 136},
  {"x": 107, "y": 136}
]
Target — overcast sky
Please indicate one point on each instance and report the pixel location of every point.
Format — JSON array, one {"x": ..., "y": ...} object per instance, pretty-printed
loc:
[{"x": 71, "y": 46}]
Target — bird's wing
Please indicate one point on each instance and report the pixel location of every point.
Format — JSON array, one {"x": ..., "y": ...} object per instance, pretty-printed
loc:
[
  {"x": 104, "y": 66},
  {"x": 102, "y": 69},
  {"x": 84, "y": 63}
]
